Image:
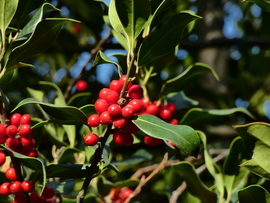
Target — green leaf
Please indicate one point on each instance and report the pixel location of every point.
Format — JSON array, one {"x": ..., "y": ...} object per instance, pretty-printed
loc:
[
  {"x": 264, "y": 4},
  {"x": 194, "y": 184},
  {"x": 79, "y": 99},
  {"x": 164, "y": 39},
  {"x": 7, "y": 11},
  {"x": 65, "y": 113},
  {"x": 36, "y": 94},
  {"x": 19, "y": 65},
  {"x": 101, "y": 58},
  {"x": 32, "y": 24},
  {"x": 184, "y": 137},
  {"x": 88, "y": 109},
  {"x": 212, "y": 167},
  {"x": 255, "y": 168},
  {"x": 185, "y": 77},
  {"x": 6, "y": 78},
  {"x": 128, "y": 18},
  {"x": 181, "y": 100},
  {"x": 43, "y": 37},
  {"x": 66, "y": 170},
  {"x": 62, "y": 187},
  {"x": 203, "y": 116},
  {"x": 253, "y": 194}
]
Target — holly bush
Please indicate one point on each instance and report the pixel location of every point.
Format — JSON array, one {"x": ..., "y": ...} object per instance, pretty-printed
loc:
[{"x": 66, "y": 136}]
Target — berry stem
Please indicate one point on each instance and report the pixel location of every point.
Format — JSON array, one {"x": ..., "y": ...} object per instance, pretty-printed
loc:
[{"x": 93, "y": 169}]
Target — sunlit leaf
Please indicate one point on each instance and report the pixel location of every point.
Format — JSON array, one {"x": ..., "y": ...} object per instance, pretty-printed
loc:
[{"x": 7, "y": 11}]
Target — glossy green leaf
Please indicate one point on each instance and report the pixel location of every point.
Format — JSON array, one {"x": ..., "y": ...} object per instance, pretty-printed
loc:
[
  {"x": 62, "y": 187},
  {"x": 181, "y": 100},
  {"x": 128, "y": 18},
  {"x": 101, "y": 58},
  {"x": 19, "y": 65},
  {"x": 79, "y": 99},
  {"x": 203, "y": 116},
  {"x": 60, "y": 99},
  {"x": 212, "y": 167},
  {"x": 255, "y": 168},
  {"x": 164, "y": 39},
  {"x": 184, "y": 137},
  {"x": 36, "y": 94},
  {"x": 187, "y": 75},
  {"x": 253, "y": 194},
  {"x": 88, "y": 109},
  {"x": 7, "y": 11},
  {"x": 66, "y": 113},
  {"x": 31, "y": 25},
  {"x": 194, "y": 184},
  {"x": 43, "y": 37},
  {"x": 264, "y": 4},
  {"x": 6, "y": 78},
  {"x": 66, "y": 170}
]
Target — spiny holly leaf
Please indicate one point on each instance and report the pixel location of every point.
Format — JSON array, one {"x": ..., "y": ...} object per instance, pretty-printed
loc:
[
  {"x": 65, "y": 113},
  {"x": 184, "y": 137},
  {"x": 253, "y": 194}
]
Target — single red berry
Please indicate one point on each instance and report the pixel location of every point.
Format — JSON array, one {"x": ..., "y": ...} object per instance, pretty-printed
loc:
[
  {"x": 101, "y": 105},
  {"x": 135, "y": 92},
  {"x": 81, "y": 85},
  {"x": 112, "y": 97},
  {"x": 15, "y": 119},
  {"x": 172, "y": 107},
  {"x": 172, "y": 144},
  {"x": 123, "y": 79},
  {"x": 165, "y": 114},
  {"x": 105, "y": 118},
  {"x": 25, "y": 119},
  {"x": 119, "y": 122},
  {"x": 116, "y": 85},
  {"x": 137, "y": 104},
  {"x": 33, "y": 196},
  {"x": 115, "y": 193},
  {"x": 91, "y": 139},
  {"x": 25, "y": 130},
  {"x": 2, "y": 158},
  {"x": 15, "y": 187},
  {"x": 114, "y": 110},
  {"x": 20, "y": 198},
  {"x": 41, "y": 200},
  {"x": 28, "y": 186},
  {"x": 76, "y": 28},
  {"x": 131, "y": 127},
  {"x": 152, "y": 141},
  {"x": 48, "y": 192},
  {"x": 11, "y": 131},
  {"x": 11, "y": 174},
  {"x": 152, "y": 109},
  {"x": 32, "y": 152},
  {"x": 93, "y": 120},
  {"x": 122, "y": 138},
  {"x": 103, "y": 93},
  {"x": 126, "y": 193},
  {"x": 12, "y": 143},
  {"x": 4, "y": 188},
  {"x": 128, "y": 111},
  {"x": 3, "y": 135},
  {"x": 174, "y": 121}
]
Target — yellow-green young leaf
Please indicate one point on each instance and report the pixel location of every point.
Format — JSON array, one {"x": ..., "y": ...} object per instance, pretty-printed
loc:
[
  {"x": 184, "y": 137},
  {"x": 7, "y": 11},
  {"x": 253, "y": 194}
]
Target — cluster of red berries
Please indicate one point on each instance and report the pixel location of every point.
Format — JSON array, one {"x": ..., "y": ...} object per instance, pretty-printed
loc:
[
  {"x": 20, "y": 190},
  {"x": 119, "y": 195},
  {"x": 18, "y": 135},
  {"x": 111, "y": 109}
]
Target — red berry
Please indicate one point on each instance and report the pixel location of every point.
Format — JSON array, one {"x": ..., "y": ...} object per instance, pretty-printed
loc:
[
  {"x": 25, "y": 141},
  {"x": 152, "y": 109},
  {"x": 15, "y": 187},
  {"x": 2, "y": 158},
  {"x": 103, "y": 93},
  {"x": 11, "y": 174},
  {"x": 119, "y": 122},
  {"x": 3, "y": 135},
  {"x": 51, "y": 201},
  {"x": 123, "y": 79},
  {"x": 128, "y": 111},
  {"x": 48, "y": 192},
  {"x": 4, "y": 188},
  {"x": 112, "y": 97},
  {"x": 32, "y": 152},
  {"x": 101, "y": 105},
  {"x": 116, "y": 85},
  {"x": 91, "y": 139},
  {"x": 152, "y": 141},
  {"x": 81, "y": 85},
  {"x": 20, "y": 198},
  {"x": 131, "y": 127},
  {"x": 76, "y": 28},
  {"x": 115, "y": 193},
  {"x": 122, "y": 138},
  {"x": 126, "y": 193},
  {"x": 174, "y": 121},
  {"x": 165, "y": 114},
  {"x": 28, "y": 186},
  {"x": 41, "y": 200},
  {"x": 135, "y": 92},
  {"x": 114, "y": 110},
  {"x": 11, "y": 131},
  {"x": 33, "y": 196},
  {"x": 172, "y": 107},
  {"x": 26, "y": 119},
  {"x": 105, "y": 118},
  {"x": 137, "y": 104},
  {"x": 25, "y": 130},
  {"x": 93, "y": 120},
  {"x": 12, "y": 143},
  {"x": 15, "y": 119}
]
